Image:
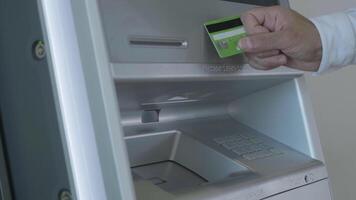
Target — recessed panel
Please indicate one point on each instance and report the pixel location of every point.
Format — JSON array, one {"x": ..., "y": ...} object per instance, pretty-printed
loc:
[{"x": 170, "y": 31}]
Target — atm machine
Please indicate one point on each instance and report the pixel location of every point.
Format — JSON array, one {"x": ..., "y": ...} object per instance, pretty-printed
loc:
[{"x": 140, "y": 106}]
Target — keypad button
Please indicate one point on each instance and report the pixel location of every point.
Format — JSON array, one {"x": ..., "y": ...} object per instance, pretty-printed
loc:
[
  {"x": 247, "y": 146},
  {"x": 258, "y": 155},
  {"x": 224, "y": 139},
  {"x": 276, "y": 151}
]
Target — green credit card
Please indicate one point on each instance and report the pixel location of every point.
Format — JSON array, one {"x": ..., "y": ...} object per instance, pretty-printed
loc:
[{"x": 225, "y": 34}]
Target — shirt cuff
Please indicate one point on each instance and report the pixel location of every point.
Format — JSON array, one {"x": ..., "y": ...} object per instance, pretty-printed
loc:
[{"x": 338, "y": 41}]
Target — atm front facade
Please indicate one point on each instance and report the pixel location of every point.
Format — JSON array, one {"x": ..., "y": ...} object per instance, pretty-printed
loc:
[{"x": 138, "y": 105}]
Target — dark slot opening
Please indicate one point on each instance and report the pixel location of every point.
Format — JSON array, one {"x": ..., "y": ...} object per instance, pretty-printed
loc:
[
  {"x": 158, "y": 42},
  {"x": 257, "y": 2},
  {"x": 150, "y": 116}
]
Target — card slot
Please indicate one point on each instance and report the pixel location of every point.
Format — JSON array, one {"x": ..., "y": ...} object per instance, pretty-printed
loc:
[{"x": 157, "y": 42}]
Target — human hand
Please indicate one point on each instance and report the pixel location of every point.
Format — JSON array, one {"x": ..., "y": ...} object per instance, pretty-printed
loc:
[{"x": 280, "y": 37}]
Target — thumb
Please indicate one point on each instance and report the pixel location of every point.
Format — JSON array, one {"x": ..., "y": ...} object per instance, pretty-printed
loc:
[{"x": 263, "y": 42}]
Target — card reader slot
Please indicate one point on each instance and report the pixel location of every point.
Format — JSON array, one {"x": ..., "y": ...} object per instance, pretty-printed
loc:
[
  {"x": 256, "y": 2},
  {"x": 158, "y": 42}
]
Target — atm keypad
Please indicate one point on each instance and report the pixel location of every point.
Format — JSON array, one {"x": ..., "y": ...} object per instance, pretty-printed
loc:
[{"x": 249, "y": 147}]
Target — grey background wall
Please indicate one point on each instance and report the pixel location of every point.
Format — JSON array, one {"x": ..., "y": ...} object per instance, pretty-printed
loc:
[{"x": 334, "y": 100}]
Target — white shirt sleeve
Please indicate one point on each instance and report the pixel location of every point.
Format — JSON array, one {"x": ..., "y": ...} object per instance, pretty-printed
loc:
[{"x": 338, "y": 36}]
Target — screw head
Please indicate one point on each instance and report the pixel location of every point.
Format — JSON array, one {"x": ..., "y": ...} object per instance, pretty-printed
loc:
[
  {"x": 39, "y": 50},
  {"x": 65, "y": 195}
]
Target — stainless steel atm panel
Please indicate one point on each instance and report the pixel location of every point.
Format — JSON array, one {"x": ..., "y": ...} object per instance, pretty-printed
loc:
[{"x": 164, "y": 117}]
